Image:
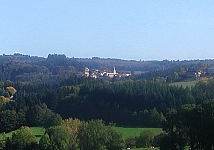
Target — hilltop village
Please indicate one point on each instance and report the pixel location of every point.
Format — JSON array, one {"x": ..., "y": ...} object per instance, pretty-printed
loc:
[{"x": 95, "y": 73}]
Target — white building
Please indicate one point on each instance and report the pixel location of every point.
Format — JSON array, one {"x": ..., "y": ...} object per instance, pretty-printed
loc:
[
  {"x": 112, "y": 74},
  {"x": 87, "y": 72}
]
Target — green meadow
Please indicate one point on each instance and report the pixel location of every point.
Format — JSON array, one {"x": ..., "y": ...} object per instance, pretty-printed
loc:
[
  {"x": 156, "y": 148},
  {"x": 185, "y": 83},
  {"x": 133, "y": 132},
  {"x": 37, "y": 131},
  {"x": 126, "y": 131}
]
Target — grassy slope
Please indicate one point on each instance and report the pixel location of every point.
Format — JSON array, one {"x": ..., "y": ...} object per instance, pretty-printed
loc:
[
  {"x": 132, "y": 132},
  {"x": 145, "y": 148},
  {"x": 184, "y": 84},
  {"x": 37, "y": 131},
  {"x": 127, "y": 132}
]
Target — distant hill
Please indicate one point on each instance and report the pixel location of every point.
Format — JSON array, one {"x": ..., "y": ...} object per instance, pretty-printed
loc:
[{"x": 20, "y": 67}]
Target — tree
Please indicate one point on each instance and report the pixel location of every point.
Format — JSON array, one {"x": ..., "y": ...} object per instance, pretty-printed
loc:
[
  {"x": 21, "y": 119},
  {"x": 11, "y": 90},
  {"x": 71, "y": 125},
  {"x": 145, "y": 139},
  {"x": 95, "y": 135},
  {"x": 35, "y": 115},
  {"x": 59, "y": 138},
  {"x": 174, "y": 139},
  {"x": 2, "y": 140},
  {"x": 8, "y": 119},
  {"x": 23, "y": 138},
  {"x": 3, "y": 100},
  {"x": 52, "y": 119},
  {"x": 42, "y": 116},
  {"x": 92, "y": 135},
  {"x": 130, "y": 142},
  {"x": 158, "y": 138},
  {"x": 44, "y": 142},
  {"x": 115, "y": 141}
]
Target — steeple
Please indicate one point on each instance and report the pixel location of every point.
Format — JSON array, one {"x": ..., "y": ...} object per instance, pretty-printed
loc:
[{"x": 115, "y": 71}]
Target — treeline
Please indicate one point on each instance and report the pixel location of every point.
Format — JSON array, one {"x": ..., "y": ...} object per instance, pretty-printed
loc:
[
  {"x": 191, "y": 125},
  {"x": 185, "y": 114},
  {"x": 55, "y": 68},
  {"x": 131, "y": 103},
  {"x": 137, "y": 103},
  {"x": 70, "y": 134}
]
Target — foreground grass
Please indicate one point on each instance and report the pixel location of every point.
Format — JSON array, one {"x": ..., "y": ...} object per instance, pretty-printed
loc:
[
  {"x": 126, "y": 131},
  {"x": 37, "y": 131},
  {"x": 156, "y": 148},
  {"x": 132, "y": 132},
  {"x": 144, "y": 148},
  {"x": 185, "y": 83}
]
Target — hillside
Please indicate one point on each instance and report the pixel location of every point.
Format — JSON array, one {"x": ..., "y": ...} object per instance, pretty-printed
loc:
[{"x": 55, "y": 67}]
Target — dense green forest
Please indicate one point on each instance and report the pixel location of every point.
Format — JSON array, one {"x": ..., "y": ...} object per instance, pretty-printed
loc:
[
  {"x": 56, "y": 67},
  {"x": 44, "y": 92}
]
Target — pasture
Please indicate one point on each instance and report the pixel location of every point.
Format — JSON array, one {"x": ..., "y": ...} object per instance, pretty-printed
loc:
[
  {"x": 133, "y": 132},
  {"x": 126, "y": 131},
  {"x": 185, "y": 83},
  {"x": 156, "y": 148},
  {"x": 37, "y": 131}
]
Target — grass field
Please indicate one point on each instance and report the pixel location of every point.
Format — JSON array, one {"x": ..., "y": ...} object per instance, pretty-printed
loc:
[
  {"x": 132, "y": 132},
  {"x": 185, "y": 83},
  {"x": 37, "y": 131},
  {"x": 144, "y": 148},
  {"x": 127, "y": 132}
]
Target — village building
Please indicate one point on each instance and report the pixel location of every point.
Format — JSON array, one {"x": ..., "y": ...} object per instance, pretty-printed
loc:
[
  {"x": 87, "y": 73},
  {"x": 94, "y": 73},
  {"x": 112, "y": 74}
]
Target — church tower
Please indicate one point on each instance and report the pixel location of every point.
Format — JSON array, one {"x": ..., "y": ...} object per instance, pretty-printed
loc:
[{"x": 115, "y": 72}]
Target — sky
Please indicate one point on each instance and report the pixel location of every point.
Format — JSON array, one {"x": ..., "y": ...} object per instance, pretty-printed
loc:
[{"x": 123, "y": 29}]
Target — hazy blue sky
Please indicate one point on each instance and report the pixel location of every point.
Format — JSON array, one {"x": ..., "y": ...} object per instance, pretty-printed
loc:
[{"x": 126, "y": 29}]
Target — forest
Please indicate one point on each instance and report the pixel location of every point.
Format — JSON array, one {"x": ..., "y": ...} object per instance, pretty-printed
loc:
[{"x": 44, "y": 92}]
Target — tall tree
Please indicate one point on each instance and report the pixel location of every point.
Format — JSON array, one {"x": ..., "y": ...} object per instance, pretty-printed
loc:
[
  {"x": 145, "y": 139},
  {"x": 24, "y": 139},
  {"x": 95, "y": 135},
  {"x": 44, "y": 142},
  {"x": 8, "y": 120},
  {"x": 71, "y": 125},
  {"x": 59, "y": 138}
]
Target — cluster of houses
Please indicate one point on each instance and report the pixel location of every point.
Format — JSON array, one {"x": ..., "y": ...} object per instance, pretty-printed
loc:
[{"x": 94, "y": 73}]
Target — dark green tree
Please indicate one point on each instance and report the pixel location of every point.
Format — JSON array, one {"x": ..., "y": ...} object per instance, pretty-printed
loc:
[
  {"x": 23, "y": 139},
  {"x": 59, "y": 138},
  {"x": 95, "y": 135},
  {"x": 45, "y": 142},
  {"x": 92, "y": 135},
  {"x": 8, "y": 119},
  {"x": 145, "y": 139},
  {"x": 52, "y": 119},
  {"x": 115, "y": 140},
  {"x": 2, "y": 140}
]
